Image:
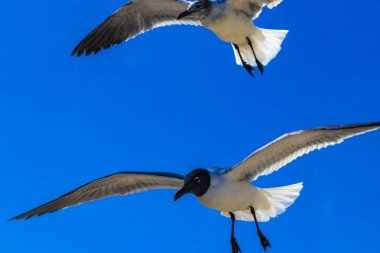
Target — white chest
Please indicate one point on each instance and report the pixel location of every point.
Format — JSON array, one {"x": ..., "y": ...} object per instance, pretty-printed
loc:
[
  {"x": 229, "y": 25},
  {"x": 228, "y": 196}
]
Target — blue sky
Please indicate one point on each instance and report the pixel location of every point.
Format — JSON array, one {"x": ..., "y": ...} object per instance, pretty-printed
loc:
[{"x": 174, "y": 100}]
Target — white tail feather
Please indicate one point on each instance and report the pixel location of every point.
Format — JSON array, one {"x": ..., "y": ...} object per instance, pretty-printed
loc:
[
  {"x": 282, "y": 197},
  {"x": 266, "y": 43},
  {"x": 279, "y": 198},
  {"x": 273, "y": 3}
]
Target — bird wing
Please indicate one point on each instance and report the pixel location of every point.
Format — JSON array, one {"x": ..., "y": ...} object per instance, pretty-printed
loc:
[
  {"x": 290, "y": 146},
  {"x": 123, "y": 183},
  {"x": 131, "y": 20},
  {"x": 253, "y": 8}
]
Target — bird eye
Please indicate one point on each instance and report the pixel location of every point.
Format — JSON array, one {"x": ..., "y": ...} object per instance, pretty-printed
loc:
[
  {"x": 196, "y": 180},
  {"x": 198, "y": 6}
]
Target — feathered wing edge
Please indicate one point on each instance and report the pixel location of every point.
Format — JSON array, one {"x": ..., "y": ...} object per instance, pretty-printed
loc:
[
  {"x": 290, "y": 146},
  {"x": 132, "y": 19},
  {"x": 116, "y": 184}
]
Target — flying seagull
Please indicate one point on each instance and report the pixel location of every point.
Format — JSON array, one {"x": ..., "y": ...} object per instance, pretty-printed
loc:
[
  {"x": 227, "y": 190},
  {"x": 230, "y": 20}
]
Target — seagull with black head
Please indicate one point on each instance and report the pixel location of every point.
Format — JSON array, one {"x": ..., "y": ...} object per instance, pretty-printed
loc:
[
  {"x": 226, "y": 190},
  {"x": 230, "y": 20}
]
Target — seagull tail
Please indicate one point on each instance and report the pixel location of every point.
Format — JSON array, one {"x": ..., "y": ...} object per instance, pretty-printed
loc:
[
  {"x": 281, "y": 198},
  {"x": 266, "y": 44},
  {"x": 274, "y": 202}
]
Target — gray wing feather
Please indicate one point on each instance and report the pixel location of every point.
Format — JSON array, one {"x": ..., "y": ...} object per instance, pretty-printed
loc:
[
  {"x": 253, "y": 8},
  {"x": 290, "y": 146},
  {"x": 123, "y": 183},
  {"x": 131, "y": 20}
]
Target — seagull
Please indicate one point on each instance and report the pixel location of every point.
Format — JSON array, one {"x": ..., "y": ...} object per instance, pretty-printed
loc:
[
  {"x": 230, "y": 20},
  {"x": 225, "y": 189}
]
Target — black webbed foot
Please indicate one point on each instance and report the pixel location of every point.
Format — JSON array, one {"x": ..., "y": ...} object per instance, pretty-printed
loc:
[
  {"x": 235, "y": 246},
  {"x": 260, "y": 66},
  {"x": 263, "y": 240},
  {"x": 248, "y": 68}
]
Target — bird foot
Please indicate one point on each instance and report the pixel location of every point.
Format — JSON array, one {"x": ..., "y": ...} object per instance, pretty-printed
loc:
[
  {"x": 263, "y": 240},
  {"x": 235, "y": 245},
  {"x": 260, "y": 66},
  {"x": 248, "y": 68}
]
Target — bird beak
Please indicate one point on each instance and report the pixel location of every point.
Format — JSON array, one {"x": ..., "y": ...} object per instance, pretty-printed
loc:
[
  {"x": 180, "y": 193},
  {"x": 184, "y": 14}
]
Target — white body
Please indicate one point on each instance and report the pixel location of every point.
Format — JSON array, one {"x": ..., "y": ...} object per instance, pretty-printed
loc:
[
  {"x": 228, "y": 195},
  {"x": 228, "y": 24},
  {"x": 235, "y": 26}
]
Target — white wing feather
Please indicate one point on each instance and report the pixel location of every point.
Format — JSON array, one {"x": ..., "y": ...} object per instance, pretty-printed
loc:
[{"x": 290, "y": 146}]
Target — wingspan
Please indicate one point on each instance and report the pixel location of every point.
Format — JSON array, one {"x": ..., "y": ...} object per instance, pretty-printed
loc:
[
  {"x": 123, "y": 183},
  {"x": 253, "y": 7},
  {"x": 131, "y": 20},
  {"x": 290, "y": 146}
]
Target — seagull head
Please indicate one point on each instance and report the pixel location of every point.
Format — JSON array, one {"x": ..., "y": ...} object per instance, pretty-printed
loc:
[
  {"x": 198, "y": 7},
  {"x": 196, "y": 182}
]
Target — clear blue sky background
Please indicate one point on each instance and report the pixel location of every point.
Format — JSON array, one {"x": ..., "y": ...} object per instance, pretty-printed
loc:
[{"x": 174, "y": 100}]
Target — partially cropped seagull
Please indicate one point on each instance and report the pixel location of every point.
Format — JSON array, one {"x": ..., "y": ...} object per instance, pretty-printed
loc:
[
  {"x": 227, "y": 190},
  {"x": 230, "y": 20}
]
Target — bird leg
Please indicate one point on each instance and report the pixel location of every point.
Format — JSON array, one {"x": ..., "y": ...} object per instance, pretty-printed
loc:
[
  {"x": 234, "y": 244},
  {"x": 263, "y": 240},
  {"x": 259, "y": 64},
  {"x": 245, "y": 65}
]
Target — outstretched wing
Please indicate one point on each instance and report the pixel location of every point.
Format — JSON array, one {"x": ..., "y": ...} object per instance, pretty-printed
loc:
[
  {"x": 123, "y": 183},
  {"x": 132, "y": 19},
  {"x": 290, "y": 146},
  {"x": 253, "y": 8}
]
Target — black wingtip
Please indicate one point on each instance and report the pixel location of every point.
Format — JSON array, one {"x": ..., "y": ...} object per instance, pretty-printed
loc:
[
  {"x": 80, "y": 52},
  {"x": 77, "y": 52},
  {"x": 352, "y": 126},
  {"x": 24, "y": 216},
  {"x": 15, "y": 218},
  {"x": 372, "y": 124}
]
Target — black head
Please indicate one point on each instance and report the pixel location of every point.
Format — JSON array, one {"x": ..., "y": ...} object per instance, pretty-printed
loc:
[
  {"x": 200, "y": 7},
  {"x": 196, "y": 182}
]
